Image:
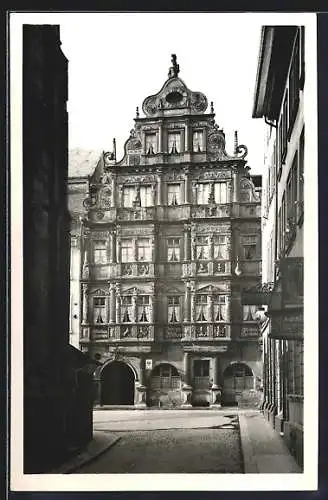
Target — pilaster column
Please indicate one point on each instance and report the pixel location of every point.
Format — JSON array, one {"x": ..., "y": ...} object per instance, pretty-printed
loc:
[
  {"x": 186, "y": 368},
  {"x": 142, "y": 370},
  {"x": 186, "y": 188},
  {"x": 234, "y": 186},
  {"x": 159, "y": 189},
  {"x": 118, "y": 303},
  {"x": 210, "y": 308},
  {"x": 153, "y": 250},
  {"x": 112, "y": 247},
  {"x": 210, "y": 247},
  {"x": 85, "y": 308},
  {"x": 186, "y": 243},
  {"x": 112, "y": 317},
  {"x": 160, "y": 138},
  {"x": 194, "y": 192},
  {"x": 187, "y": 303},
  {"x": 85, "y": 267},
  {"x": 153, "y": 194},
  {"x": 186, "y": 145},
  {"x": 134, "y": 307},
  {"x": 193, "y": 307},
  {"x": 113, "y": 201},
  {"x": 151, "y": 308},
  {"x": 118, "y": 250},
  {"x": 193, "y": 248},
  {"x": 215, "y": 370},
  {"x": 135, "y": 248},
  {"x": 120, "y": 195}
]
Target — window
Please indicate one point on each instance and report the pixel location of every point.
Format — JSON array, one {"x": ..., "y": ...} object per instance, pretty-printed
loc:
[
  {"x": 143, "y": 309},
  {"x": 201, "y": 368},
  {"x": 249, "y": 313},
  {"x": 220, "y": 247},
  {"x": 201, "y": 308},
  {"x": 127, "y": 250},
  {"x": 100, "y": 252},
  {"x": 146, "y": 196},
  {"x": 151, "y": 144},
  {"x": 198, "y": 141},
  {"x": 173, "y": 309},
  {"x": 249, "y": 247},
  {"x": 129, "y": 194},
  {"x": 292, "y": 189},
  {"x": 165, "y": 376},
  {"x": 284, "y": 128},
  {"x": 173, "y": 194},
  {"x": 99, "y": 310},
  {"x": 203, "y": 193},
  {"x": 126, "y": 309},
  {"x": 300, "y": 196},
  {"x": 202, "y": 248},
  {"x": 174, "y": 142},
  {"x": 294, "y": 81},
  {"x": 220, "y": 308},
  {"x": 144, "y": 250},
  {"x": 220, "y": 192},
  {"x": 211, "y": 193},
  {"x": 173, "y": 250}
]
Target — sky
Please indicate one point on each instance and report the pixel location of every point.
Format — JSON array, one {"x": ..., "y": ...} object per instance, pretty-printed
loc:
[{"x": 117, "y": 59}]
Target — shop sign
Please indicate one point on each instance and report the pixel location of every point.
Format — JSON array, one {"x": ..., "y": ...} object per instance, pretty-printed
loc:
[{"x": 149, "y": 364}]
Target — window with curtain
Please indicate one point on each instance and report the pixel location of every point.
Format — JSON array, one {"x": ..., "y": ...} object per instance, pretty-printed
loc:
[
  {"x": 220, "y": 192},
  {"x": 144, "y": 250},
  {"x": 129, "y": 194},
  {"x": 249, "y": 312},
  {"x": 99, "y": 310},
  {"x": 127, "y": 250},
  {"x": 219, "y": 308},
  {"x": 173, "y": 309},
  {"x": 202, "y": 248},
  {"x": 143, "y": 309},
  {"x": 198, "y": 141},
  {"x": 151, "y": 144},
  {"x": 146, "y": 196},
  {"x": 220, "y": 247},
  {"x": 201, "y": 308},
  {"x": 174, "y": 142},
  {"x": 249, "y": 247},
  {"x": 173, "y": 250},
  {"x": 100, "y": 252},
  {"x": 173, "y": 194},
  {"x": 126, "y": 309},
  {"x": 203, "y": 193}
]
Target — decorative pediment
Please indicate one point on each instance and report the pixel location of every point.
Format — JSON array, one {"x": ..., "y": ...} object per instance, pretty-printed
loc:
[
  {"x": 98, "y": 292},
  {"x": 247, "y": 190},
  {"x": 211, "y": 289},
  {"x": 134, "y": 291},
  {"x": 174, "y": 95}
]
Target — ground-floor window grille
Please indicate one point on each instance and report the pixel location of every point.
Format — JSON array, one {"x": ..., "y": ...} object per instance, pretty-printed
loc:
[{"x": 165, "y": 377}]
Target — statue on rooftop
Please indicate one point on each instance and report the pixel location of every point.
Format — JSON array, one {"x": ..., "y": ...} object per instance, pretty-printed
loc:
[{"x": 175, "y": 68}]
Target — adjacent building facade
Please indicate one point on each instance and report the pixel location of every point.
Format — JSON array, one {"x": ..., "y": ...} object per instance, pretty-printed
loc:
[
  {"x": 57, "y": 393},
  {"x": 279, "y": 99},
  {"x": 163, "y": 243}
]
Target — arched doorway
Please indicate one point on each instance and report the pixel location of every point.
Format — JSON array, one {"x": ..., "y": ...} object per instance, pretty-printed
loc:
[
  {"x": 117, "y": 384},
  {"x": 237, "y": 377},
  {"x": 164, "y": 386}
]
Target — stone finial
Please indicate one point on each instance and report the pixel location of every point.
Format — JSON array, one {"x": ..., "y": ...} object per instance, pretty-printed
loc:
[
  {"x": 137, "y": 112},
  {"x": 212, "y": 107},
  {"x": 114, "y": 148},
  {"x": 236, "y": 142},
  {"x": 175, "y": 68}
]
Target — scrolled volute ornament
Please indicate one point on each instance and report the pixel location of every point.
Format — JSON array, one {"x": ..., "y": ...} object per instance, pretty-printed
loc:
[{"x": 241, "y": 151}]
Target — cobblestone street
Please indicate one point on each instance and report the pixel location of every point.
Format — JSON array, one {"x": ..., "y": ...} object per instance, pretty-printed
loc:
[{"x": 193, "y": 442}]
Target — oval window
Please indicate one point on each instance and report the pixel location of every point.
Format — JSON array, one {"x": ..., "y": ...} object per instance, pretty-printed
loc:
[{"x": 174, "y": 97}]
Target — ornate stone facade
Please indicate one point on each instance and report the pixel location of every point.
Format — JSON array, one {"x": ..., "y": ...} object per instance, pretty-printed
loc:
[{"x": 162, "y": 234}]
